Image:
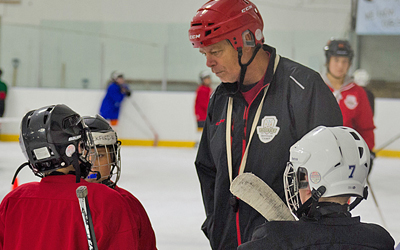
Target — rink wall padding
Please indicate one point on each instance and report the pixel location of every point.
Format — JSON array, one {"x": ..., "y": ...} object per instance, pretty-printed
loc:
[{"x": 170, "y": 113}]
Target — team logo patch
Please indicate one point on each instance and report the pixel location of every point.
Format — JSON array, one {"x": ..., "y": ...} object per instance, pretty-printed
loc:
[
  {"x": 268, "y": 129},
  {"x": 351, "y": 102},
  {"x": 315, "y": 177}
]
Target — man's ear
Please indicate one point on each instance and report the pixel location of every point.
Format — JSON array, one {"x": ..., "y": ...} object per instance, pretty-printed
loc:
[{"x": 248, "y": 39}]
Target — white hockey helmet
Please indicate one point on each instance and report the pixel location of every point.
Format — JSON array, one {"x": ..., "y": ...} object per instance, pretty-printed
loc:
[
  {"x": 361, "y": 77},
  {"x": 204, "y": 74},
  {"x": 334, "y": 158},
  {"x": 116, "y": 74}
]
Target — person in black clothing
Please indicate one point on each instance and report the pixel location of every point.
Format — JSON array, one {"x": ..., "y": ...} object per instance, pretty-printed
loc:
[
  {"x": 327, "y": 167},
  {"x": 264, "y": 104}
]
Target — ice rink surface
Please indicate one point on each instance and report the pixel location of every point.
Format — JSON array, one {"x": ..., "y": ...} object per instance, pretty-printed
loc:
[{"x": 165, "y": 181}]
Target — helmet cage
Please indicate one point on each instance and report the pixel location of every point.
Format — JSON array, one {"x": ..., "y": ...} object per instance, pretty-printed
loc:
[
  {"x": 294, "y": 181},
  {"x": 105, "y": 146}
]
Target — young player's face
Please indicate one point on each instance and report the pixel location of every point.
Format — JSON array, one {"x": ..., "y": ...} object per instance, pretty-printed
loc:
[
  {"x": 207, "y": 81},
  {"x": 120, "y": 80},
  {"x": 101, "y": 163},
  {"x": 222, "y": 58},
  {"x": 304, "y": 194},
  {"x": 338, "y": 66}
]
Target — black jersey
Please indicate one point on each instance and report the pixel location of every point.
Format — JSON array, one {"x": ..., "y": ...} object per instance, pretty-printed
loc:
[
  {"x": 325, "y": 233},
  {"x": 297, "y": 101}
]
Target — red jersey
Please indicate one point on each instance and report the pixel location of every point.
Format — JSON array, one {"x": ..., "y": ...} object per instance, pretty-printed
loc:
[
  {"x": 203, "y": 94},
  {"x": 46, "y": 215},
  {"x": 147, "y": 239},
  {"x": 356, "y": 109}
]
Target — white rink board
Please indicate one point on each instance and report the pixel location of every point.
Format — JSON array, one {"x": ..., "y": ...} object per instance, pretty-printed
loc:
[{"x": 170, "y": 113}]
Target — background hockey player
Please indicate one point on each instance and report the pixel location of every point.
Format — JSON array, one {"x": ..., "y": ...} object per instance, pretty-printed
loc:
[
  {"x": 46, "y": 214},
  {"x": 116, "y": 92},
  {"x": 203, "y": 94},
  {"x": 229, "y": 34},
  {"x": 327, "y": 167},
  {"x": 352, "y": 99},
  {"x": 106, "y": 169},
  {"x": 3, "y": 94}
]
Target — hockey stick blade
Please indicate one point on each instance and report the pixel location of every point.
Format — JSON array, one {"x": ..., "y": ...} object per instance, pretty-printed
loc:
[
  {"x": 255, "y": 192},
  {"x": 81, "y": 193}
]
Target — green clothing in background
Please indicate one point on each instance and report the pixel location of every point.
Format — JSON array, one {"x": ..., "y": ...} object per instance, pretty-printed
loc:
[{"x": 3, "y": 94}]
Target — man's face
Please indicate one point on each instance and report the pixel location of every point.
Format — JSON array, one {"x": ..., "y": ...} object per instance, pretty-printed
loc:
[
  {"x": 222, "y": 58},
  {"x": 338, "y": 66}
]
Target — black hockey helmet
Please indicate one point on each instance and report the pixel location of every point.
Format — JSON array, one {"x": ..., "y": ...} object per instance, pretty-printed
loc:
[
  {"x": 104, "y": 136},
  {"x": 338, "y": 48},
  {"x": 50, "y": 139}
]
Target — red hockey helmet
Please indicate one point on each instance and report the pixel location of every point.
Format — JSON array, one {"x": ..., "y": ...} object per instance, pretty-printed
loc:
[{"x": 218, "y": 20}]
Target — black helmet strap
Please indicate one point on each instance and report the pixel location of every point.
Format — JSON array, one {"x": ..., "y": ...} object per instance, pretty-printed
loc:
[
  {"x": 359, "y": 199},
  {"x": 243, "y": 67},
  {"x": 20, "y": 168}
]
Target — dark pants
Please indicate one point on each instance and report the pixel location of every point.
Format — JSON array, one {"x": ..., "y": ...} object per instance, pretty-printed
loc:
[
  {"x": 1, "y": 108},
  {"x": 200, "y": 124}
]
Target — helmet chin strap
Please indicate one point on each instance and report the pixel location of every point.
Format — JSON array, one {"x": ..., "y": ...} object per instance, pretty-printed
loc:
[
  {"x": 310, "y": 206},
  {"x": 20, "y": 168},
  {"x": 243, "y": 67},
  {"x": 312, "y": 202},
  {"x": 77, "y": 167},
  {"x": 359, "y": 199}
]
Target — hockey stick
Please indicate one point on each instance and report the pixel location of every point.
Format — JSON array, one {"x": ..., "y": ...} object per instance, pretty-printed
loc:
[
  {"x": 81, "y": 193},
  {"x": 376, "y": 203},
  {"x": 139, "y": 110},
  {"x": 255, "y": 192},
  {"x": 387, "y": 143}
]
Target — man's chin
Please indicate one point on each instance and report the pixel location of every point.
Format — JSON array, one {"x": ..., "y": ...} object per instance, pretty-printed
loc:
[{"x": 222, "y": 79}]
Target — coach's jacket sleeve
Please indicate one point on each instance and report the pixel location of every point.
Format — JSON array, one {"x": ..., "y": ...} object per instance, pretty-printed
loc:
[
  {"x": 313, "y": 105},
  {"x": 206, "y": 172}
]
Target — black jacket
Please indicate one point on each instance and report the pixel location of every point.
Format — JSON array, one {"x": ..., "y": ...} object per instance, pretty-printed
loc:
[
  {"x": 300, "y": 101},
  {"x": 329, "y": 232}
]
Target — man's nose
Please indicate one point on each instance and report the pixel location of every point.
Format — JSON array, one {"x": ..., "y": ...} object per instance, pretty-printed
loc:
[{"x": 210, "y": 61}]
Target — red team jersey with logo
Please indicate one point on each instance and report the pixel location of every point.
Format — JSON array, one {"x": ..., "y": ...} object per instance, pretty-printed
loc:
[{"x": 356, "y": 111}]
